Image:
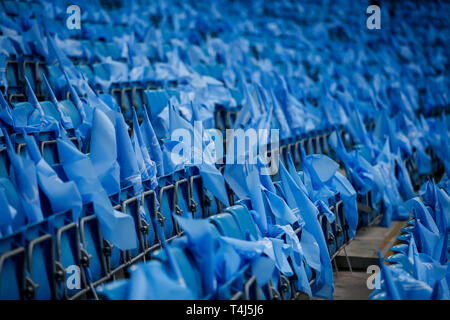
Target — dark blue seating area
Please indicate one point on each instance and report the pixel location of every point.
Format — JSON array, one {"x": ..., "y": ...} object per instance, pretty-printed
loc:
[{"x": 101, "y": 127}]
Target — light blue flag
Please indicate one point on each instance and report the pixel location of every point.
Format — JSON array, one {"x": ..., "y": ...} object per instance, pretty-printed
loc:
[
  {"x": 428, "y": 194},
  {"x": 318, "y": 170},
  {"x": 65, "y": 120},
  {"x": 297, "y": 257},
  {"x": 84, "y": 110},
  {"x": 129, "y": 169},
  {"x": 320, "y": 167},
  {"x": 172, "y": 263},
  {"x": 324, "y": 286},
  {"x": 441, "y": 291},
  {"x": 103, "y": 152},
  {"x": 442, "y": 210},
  {"x": 214, "y": 182},
  {"x": 152, "y": 281},
  {"x": 384, "y": 127},
  {"x": 211, "y": 176},
  {"x": 400, "y": 285},
  {"x": 235, "y": 176},
  {"x": 6, "y": 113},
  {"x": 325, "y": 210},
  {"x": 117, "y": 227},
  {"x": 63, "y": 196},
  {"x": 263, "y": 269},
  {"x": 426, "y": 268},
  {"x": 390, "y": 287},
  {"x": 336, "y": 143},
  {"x": 283, "y": 214},
  {"x": 202, "y": 244},
  {"x": 270, "y": 247},
  {"x": 307, "y": 186},
  {"x": 256, "y": 197},
  {"x": 6, "y": 215},
  {"x": 150, "y": 167},
  {"x": 348, "y": 195},
  {"x": 29, "y": 120},
  {"x": 227, "y": 262},
  {"x": 25, "y": 180},
  {"x": 427, "y": 241},
  {"x": 404, "y": 179},
  {"x": 139, "y": 158},
  {"x": 264, "y": 176},
  {"x": 421, "y": 212}
]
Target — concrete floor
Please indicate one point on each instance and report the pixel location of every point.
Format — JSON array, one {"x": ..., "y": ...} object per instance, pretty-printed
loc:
[
  {"x": 351, "y": 286},
  {"x": 369, "y": 240},
  {"x": 362, "y": 252}
]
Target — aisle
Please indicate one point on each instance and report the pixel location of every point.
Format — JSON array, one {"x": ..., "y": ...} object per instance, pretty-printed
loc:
[
  {"x": 351, "y": 286},
  {"x": 362, "y": 253}
]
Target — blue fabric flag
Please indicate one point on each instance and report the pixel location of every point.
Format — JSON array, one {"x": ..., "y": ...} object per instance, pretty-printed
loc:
[
  {"x": 117, "y": 227},
  {"x": 152, "y": 144},
  {"x": 138, "y": 142},
  {"x": 62, "y": 196},
  {"x": 324, "y": 286}
]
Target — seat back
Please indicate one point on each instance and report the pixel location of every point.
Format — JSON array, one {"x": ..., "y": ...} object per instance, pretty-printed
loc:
[
  {"x": 132, "y": 208},
  {"x": 196, "y": 186},
  {"x": 50, "y": 110},
  {"x": 40, "y": 262},
  {"x": 12, "y": 269},
  {"x": 244, "y": 220},
  {"x": 69, "y": 108},
  {"x": 166, "y": 202},
  {"x": 227, "y": 225}
]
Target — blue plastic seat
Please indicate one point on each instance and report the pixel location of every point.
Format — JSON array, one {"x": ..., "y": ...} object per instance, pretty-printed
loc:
[
  {"x": 24, "y": 109},
  {"x": 243, "y": 284},
  {"x": 12, "y": 75},
  {"x": 114, "y": 258},
  {"x": 93, "y": 256},
  {"x": 11, "y": 7},
  {"x": 4, "y": 163},
  {"x": 166, "y": 202},
  {"x": 12, "y": 268},
  {"x": 126, "y": 103},
  {"x": 71, "y": 110},
  {"x": 156, "y": 100},
  {"x": 40, "y": 262},
  {"x": 187, "y": 266},
  {"x": 183, "y": 197},
  {"x": 197, "y": 197},
  {"x": 50, "y": 110},
  {"x": 147, "y": 230},
  {"x": 227, "y": 225},
  {"x": 113, "y": 50},
  {"x": 19, "y": 219},
  {"x": 329, "y": 236},
  {"x": 138, "y": 101},
  {"x": 56, "y": 78},
  {"x": 30, "y": 70},
  {"x": 87, "y": 71},
  {"x": 244, "y": 220},
  {"x": 132, "y": 207},
  {"x": 67, "y": 252}
]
